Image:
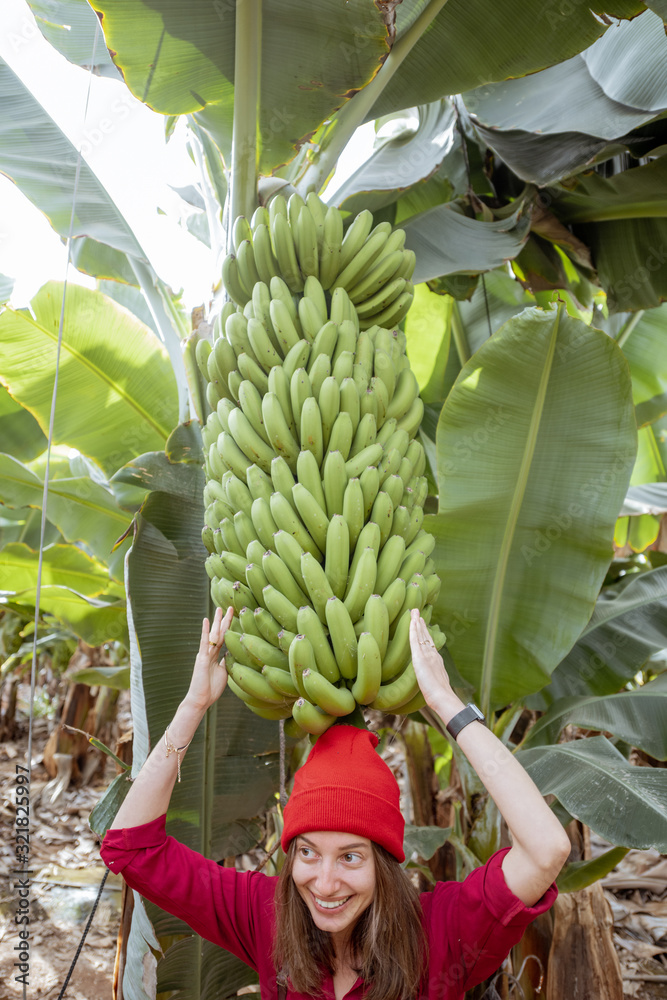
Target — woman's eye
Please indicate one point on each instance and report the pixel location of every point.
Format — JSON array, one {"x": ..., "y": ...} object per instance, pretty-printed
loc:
[{"x": 351, "y": 857}]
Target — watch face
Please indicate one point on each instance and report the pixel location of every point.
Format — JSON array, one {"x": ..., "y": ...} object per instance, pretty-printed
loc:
[{"x": 478, "y": 713}]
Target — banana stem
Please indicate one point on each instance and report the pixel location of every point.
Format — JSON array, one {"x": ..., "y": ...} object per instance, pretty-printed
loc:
[
  {"x": 247, "y": 68},
  {"x": 354, "y": 113},
  {"x": 459, "y": 335},
  {"x": 629, "y": 327}
]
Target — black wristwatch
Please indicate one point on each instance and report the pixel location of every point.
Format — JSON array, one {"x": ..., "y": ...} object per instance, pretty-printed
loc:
[{"x": 469, "y": 714}]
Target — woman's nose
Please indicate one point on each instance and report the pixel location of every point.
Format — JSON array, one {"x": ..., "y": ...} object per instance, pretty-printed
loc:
[{"x": 327, "y": 880}]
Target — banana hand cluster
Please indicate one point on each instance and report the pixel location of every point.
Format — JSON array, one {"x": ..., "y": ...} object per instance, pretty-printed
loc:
[
  {"x": 299, "y": 239},
  {"x": 315, "y": 479}
]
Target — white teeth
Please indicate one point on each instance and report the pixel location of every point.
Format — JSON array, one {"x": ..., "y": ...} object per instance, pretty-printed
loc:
[{"x": 334, "y": 905}]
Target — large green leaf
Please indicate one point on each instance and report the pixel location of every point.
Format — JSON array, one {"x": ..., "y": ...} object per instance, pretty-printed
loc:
[
  {"x": 447, "y": 242},
  {"x": 117, "y": 394},
  {"x": 20, "y": 434},
  {"x": 83, "y": 510},
  {"x": 231, "y": 769},
  {"x": 96, "y": 620},
  {"x": 473, "y": 42},
  {"x": 42, "y": 162},
  {"x": 535, "y": 446},
  {"x": 638, "y": 717},
  {"x": 632, "y": 194},
  {"x": 624, "y": 804},
  {"x": 62, "y": 566},
  {"x": 404, "y": 156},
  {"x": 179, "y": 59},
  {"x": 630, "y": 257},
  {"x": 562, "y": 98},
  {"x": 630, "y": 62},
  {"x": 428, "y": 332},
  {"x": 69, "y": 25},
  {"x": 628, "y": 625}
]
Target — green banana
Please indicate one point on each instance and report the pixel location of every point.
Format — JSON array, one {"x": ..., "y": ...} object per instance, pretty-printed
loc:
[
  {"x": 267, "y": 625},
  {"x": 296, "y": 358},
  {"x": 355, "y": 237},
  {"x": 376, "y": 621},
  {"x": 330, "y": 250},
  {"x": 308, "y": 474},
  {"x": 398, "y": 692},
  {"x": 393, "y": 597},
  {"x": 328, "y": 400},
  {"x": 285, "y": 252},
  {"x": 246, "y": 263},
  {"x": 244, "y": 529},
  {"x": 249, "y": 368},
  {"x": 279, "y": 576},
  {"x": 398, "y": 650},
  {"x": 265, "y": 260},
  {"x": 342, "y": 635},
  {"x": 283, "y": 323},
  {"x": 353, "y": 508},
  {"x": 367, "y": 456},
  {"x": 370, "y": 484},
  {"x": 256, "y": 579},
  {"x": 310, "y": 718},
  {"x": 319, "y": 371},
  {"x": 283, "y": 480},
  {"x": 286, "y": 518},
  {"x": 248, "y": 623},
  {"x": 311, "y": 428},
  {"x": 264, "y": 652},
  {"x": 260, "y": 341},
  {"x": 253, "y": 446},
  {"x": 361, "y": 584},
  {"x": 290, "y": 552},
  {"x": 324, "y": 341},
  {"x": 333, "y": 700},
  {"x": 340, "y": 438},
  {"x": 281, "y": 681},
  {"x": 277, "y": 429},
  {"x": 349, "y": 401},
  {"x": 343, "y": 366},
  {"x": 317, "y": 584},
  {"x": 259, "y": 484},
  {"x": 233, "y": 458},
  {"x": 311, "y": 514},
  {"x": 310, "y": 625},
  {"x": 365, "y": 434},
  {"x": 301, "y": 657},
  {"x": 334, "y": 481},
  {"x": 279, "y": 384},
  {"x": 351, "y": 273},
  {"x": 255, "y": 685},
  {"x": 231, "y": 277},
  {"x": 300, "y": 390},
  {"x": 238, "y": 496},
  {"x": 280, "y": 607},
  {"x": 337, "y": 554},
  {"x": 369, "y": 670}
]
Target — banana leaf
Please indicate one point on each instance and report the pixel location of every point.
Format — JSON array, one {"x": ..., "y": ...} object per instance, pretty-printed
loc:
[
  {"x": 637, "y": 717},
  {"x": 179, "y": 59},
  {"x": 625, "y": 805},
  {"x": 535, "y": 445},
  {"x": 20, "y": 433},
  {"x": 473, "y": 42},
  {"x": 629, "y": 62},
  {"x": 112, "y": 368},
  {"x": 428, "y": 333},
  {"x": 62, "y": 566},
  {"x": 82, "y": 509},
  {"x": 230, "y": 772},
  {"x": 628, "y": 625},
  {"x": 448, "y": 242}
]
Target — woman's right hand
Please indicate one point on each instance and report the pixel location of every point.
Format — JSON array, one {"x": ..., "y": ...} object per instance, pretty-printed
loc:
[{"x": 209, "y": 676}]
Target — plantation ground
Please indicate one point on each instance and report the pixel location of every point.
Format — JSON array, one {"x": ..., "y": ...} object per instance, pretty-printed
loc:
[{"x": 67, "y": 872}]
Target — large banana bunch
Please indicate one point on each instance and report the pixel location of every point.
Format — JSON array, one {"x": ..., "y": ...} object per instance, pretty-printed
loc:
[{"x": 315, "y": 480}]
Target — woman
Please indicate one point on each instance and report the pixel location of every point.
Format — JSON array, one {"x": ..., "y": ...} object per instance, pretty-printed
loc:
[{"x": 343, "y": 918}]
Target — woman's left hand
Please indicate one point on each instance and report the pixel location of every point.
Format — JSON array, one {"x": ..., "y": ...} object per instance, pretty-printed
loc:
[{"x": 427, "y": 662}]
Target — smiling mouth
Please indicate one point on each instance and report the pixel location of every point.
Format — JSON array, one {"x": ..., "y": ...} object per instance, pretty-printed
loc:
[{"x": 334, "y": 904}]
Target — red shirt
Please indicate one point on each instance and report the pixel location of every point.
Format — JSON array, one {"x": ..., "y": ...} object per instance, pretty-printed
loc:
[{"x": 470, "y": 925}]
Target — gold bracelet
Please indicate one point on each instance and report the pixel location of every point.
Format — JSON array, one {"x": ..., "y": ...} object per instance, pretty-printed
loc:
[{"x": 170, "y": 748}]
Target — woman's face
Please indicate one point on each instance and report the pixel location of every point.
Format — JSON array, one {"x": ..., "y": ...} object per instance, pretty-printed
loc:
[{"x": 335, "y": 874}]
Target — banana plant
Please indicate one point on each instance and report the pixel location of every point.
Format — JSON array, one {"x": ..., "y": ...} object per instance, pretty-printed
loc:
[{"x": 574, "y": 411}]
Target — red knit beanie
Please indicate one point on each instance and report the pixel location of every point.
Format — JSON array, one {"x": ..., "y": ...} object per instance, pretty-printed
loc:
[{"x": 345, "y": 785}]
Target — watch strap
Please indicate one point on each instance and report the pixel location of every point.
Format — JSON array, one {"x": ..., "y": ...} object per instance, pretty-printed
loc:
[{"x": 471, "y": 713}]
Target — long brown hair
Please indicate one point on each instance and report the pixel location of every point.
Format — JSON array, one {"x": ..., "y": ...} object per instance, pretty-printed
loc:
[{"x": 388, "y": 941}]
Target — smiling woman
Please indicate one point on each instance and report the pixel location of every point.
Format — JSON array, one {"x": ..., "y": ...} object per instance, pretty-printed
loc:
[{"x": 343, "y": 919}]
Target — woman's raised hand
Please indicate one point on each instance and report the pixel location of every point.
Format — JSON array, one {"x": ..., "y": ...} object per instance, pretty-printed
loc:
[
  {"x": 209, "y": 676},
  {"x": 428, "y": 664}
]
